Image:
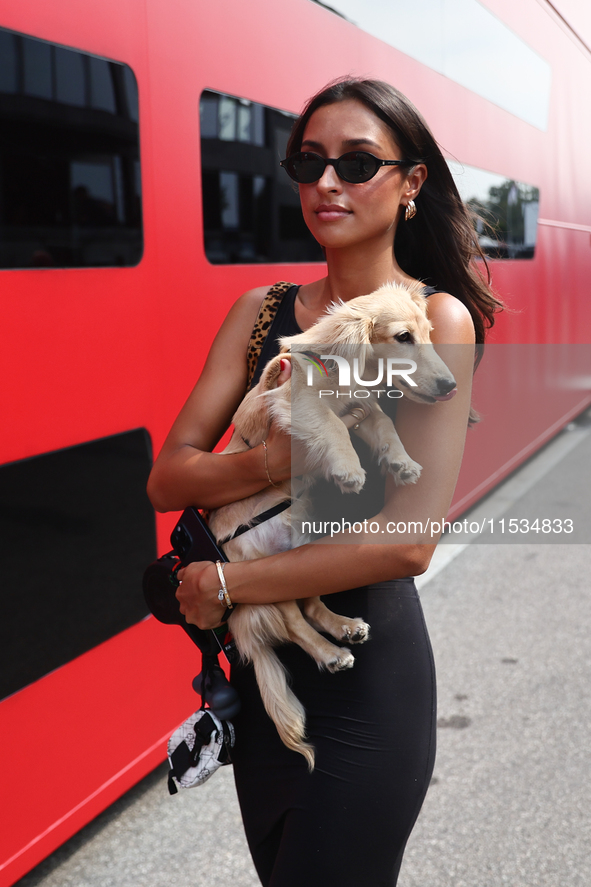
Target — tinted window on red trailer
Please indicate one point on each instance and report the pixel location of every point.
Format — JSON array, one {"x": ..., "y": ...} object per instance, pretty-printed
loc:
[
  {"x": 77, "y": 532},
  {"x": 70, "y": 186},
  {"x": 505, "y": 212},
  {"x": 251, "y": 211}
]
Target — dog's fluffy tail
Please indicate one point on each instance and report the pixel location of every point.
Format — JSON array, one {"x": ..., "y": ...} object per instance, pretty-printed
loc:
[{"x": 281, "y": 704}]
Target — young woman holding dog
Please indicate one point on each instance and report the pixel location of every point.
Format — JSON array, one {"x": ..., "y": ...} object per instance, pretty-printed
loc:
[{"x": 373, "y": 727}]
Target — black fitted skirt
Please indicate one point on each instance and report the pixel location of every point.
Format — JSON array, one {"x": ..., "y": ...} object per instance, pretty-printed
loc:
[{"x": 373, "y": 729}]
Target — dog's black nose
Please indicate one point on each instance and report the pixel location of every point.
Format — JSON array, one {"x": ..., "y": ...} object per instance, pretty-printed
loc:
[{"x": 444, "y": 386}]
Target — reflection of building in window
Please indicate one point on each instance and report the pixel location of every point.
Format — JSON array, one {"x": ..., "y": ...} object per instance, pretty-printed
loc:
[
  {"x": 505, "y": 211},
  {"x": 251, "y": 212},
  {"x": 70, "y": 194}
]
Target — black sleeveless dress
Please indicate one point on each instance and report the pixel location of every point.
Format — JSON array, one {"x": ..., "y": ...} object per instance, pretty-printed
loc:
[{"x": 373, "y": 729}]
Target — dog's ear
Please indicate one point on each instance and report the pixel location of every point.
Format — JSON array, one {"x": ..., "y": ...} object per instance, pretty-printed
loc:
[
  {"x": 358, "y": 331},
  {"x": 414, "y": 290},
  {"x": 251, "y": 419},
  {"x": 270, "y": 375},
  {"x": 353, "y": 340},
  {"x": 417, "y": 294},
  {"x": 342, "y": 325}
]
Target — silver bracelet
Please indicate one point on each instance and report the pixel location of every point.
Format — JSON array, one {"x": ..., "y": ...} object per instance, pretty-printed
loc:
[{"x": 223, "y": 596}]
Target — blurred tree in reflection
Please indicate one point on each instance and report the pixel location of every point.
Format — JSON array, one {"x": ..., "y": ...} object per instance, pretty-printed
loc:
[{"x": 506, "y": 220}]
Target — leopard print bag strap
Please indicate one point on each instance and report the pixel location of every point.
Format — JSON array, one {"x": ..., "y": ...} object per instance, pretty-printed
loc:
[{"x": 267, "y": 312}]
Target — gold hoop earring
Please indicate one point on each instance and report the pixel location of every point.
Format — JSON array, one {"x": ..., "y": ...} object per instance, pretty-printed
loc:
[{"x": 410, "y": 211}]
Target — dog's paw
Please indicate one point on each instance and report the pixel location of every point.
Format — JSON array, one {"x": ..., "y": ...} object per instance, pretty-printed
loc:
[
  {"x": 404, "y": 470},
  {"x": 348, "y": 480},
  {"x": 356, "y": 634},
  {"x": 343, "y": 659}
]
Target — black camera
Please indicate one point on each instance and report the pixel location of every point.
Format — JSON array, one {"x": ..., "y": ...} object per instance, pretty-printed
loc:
[{"x": 192, "y": 540}]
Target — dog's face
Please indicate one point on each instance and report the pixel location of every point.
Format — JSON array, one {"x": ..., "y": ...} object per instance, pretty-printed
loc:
[
  {"x": 394, "y": 317},
  {"x": 389, "y": 315},
  {"x": 393, "y": 321}
]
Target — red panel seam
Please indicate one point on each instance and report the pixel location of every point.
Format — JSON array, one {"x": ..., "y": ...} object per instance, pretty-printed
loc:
[{"x": 573, "y": 226}]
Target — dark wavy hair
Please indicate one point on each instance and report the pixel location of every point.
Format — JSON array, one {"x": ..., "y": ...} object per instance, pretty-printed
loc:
[{"x": 439, "y": 246}]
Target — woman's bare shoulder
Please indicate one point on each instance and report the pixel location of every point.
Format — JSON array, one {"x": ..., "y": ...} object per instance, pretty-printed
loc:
[
  {"x": 246, "y": 307},
  {"x": 451, "y": 319},
  {"x": 255, "y": 296},
  {"x": 233, "y": 338},
  {"x": 238, "y": 324}
]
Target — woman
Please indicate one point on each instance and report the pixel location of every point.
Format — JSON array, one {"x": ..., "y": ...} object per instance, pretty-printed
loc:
[{"x": 372, "y": 727}]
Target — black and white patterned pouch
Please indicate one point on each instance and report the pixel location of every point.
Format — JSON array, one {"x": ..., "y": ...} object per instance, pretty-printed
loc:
[{"x": 196, "y": 749}]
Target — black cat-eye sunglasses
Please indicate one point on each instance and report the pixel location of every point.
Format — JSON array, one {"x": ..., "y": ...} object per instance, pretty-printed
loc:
[{"x": 354, "y": 167}]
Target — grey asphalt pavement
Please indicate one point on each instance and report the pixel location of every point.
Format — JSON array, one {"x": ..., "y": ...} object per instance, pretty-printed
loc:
[{"x": 511, "y": 795}]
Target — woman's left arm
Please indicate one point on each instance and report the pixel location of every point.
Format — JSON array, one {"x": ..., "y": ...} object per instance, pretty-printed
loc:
[{"x": 434, "y": 436}]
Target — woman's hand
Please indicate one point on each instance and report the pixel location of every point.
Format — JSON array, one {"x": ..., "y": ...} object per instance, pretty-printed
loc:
[{"x": 198, "y": 595}]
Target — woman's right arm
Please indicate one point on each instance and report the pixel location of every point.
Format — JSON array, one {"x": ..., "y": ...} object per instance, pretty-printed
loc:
[{"x": 186, "y": 472}]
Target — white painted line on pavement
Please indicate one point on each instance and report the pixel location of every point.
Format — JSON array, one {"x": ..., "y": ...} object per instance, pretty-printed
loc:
[{"x": 507, "y": 494}]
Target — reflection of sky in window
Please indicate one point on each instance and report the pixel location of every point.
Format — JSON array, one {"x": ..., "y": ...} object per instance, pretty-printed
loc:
[
  {"x": 231, "y": 119},
  {"x": 227, "y": 119},
  {"x": 475, "y": 184},
  {"x": 465, "y": 42},
  {"x": 243, "y": 122},
  {"x": 472, "y": 182},
  {"x": 258, "y": 125}
]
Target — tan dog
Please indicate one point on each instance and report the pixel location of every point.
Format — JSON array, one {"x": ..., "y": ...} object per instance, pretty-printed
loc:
[{"x": 394, "y": 316}]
